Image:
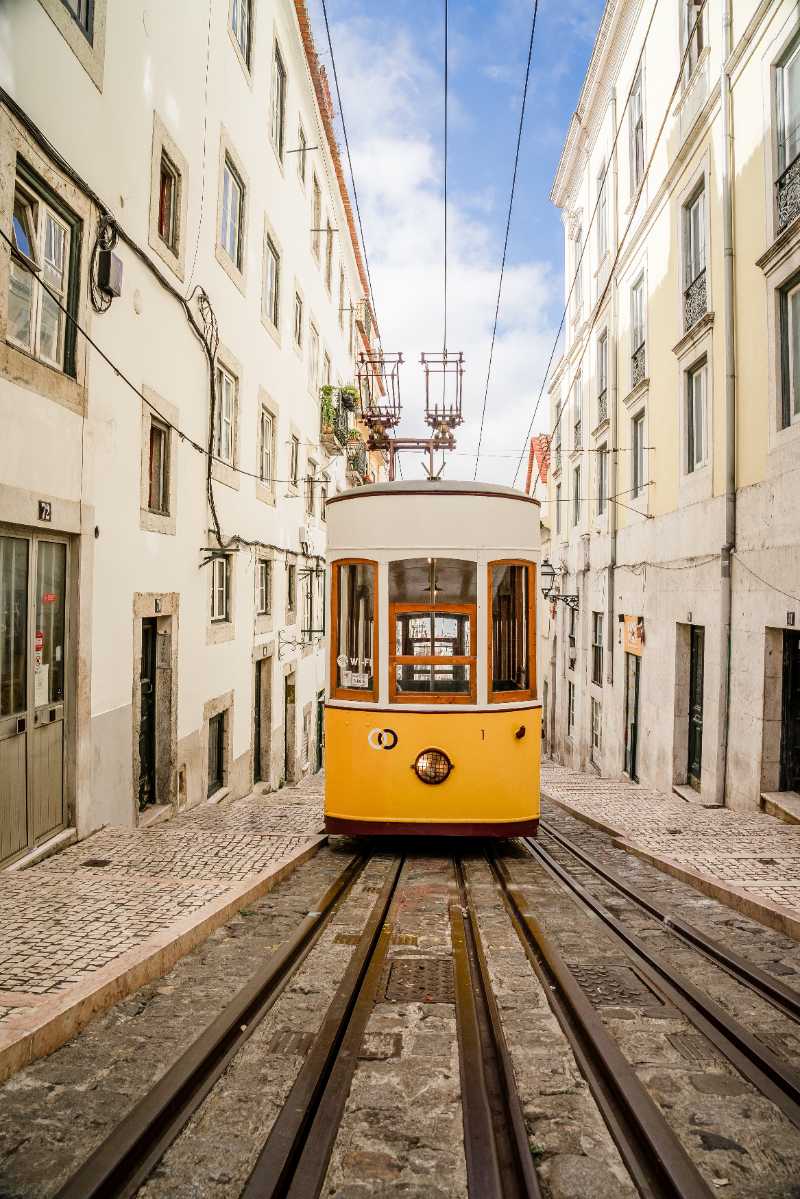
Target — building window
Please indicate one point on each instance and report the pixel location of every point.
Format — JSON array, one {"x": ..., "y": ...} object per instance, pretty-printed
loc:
[
  {"x": 602, "y": 479},
  {"x": 310, "y": 484},
  {"x": 313, "y": 358},
  {"x": 576, "y": 496},
  {"x": 572, "y": 630},
  {"x": 232, "y": 210},
  {"x": 278, "y": 102},
  {"x": 323, "y": 497},
  {"x": 294, "y": 460},
  {"x": 272, "y": 282},
  {"x": 787, "y": 103},
  {"x": 602, "y": 377},
  {"x": 597, "y": 648},
  {"x": 693, "y": 34},
  {"x": 341, "y": 297},
  {"x": 240, "y": 26},
  {"x": 637, "y": 445},
  {"x": 558, "y": 507},
  {"x": 217, "y": 741},
  {"x": 82, "y": 12},
  {"x": 637, "y": 132},
  {"x": 298, "y": 321},
  {"x": 291, "y": 587},
  {"x": 302, "y": 152},
  {"x": 220, "y": 588},
  {"x": 577, "y": 283},
  {"x": 694, "y": 295},
  {"x": 577, "y": 407},
  {"x": 225, "y": 416},
  {"x": 557, "y": 444},
  {"x": 316, "y": 216},
  {"x": 596, "y": 727},
  {"x": 602, "y": 214},
  {"x": 328, "y": 254},
  {"x": 326, "y": 369},
  {"x": 265, "y": 438},
  {"x": 790, "y": 355},
  {"x": 263, "y": 587},
  {"x": 45, "y": 249},
  {"x": 511, "y": 650},
  {"x": 570, "y": 709},
  {"x": 168, "y": 192},
  {"x": 158, "y": 468},
  {"x": 695, "y": 417},
  {"x": 638, "y": 364}
]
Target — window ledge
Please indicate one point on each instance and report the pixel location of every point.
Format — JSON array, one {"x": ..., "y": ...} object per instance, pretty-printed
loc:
[
  {"x": 783, "y": 244},
  {"x": 272, "y": 329},
  {"x": 228, "y": 475},
  {"x": 690, "y": 339},
  {"x": 157, "y": 522},
  {"x": 636, "y": 393},
  {"x": 265, "y": 493},
  {"x": 248, "y": 74},
  {"x": 230, "y": 268},
  {"x": 601, "y": 428},
  {"x": 219, "y": 632}
]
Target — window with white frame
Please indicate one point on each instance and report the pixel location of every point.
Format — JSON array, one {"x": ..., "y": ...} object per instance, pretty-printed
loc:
[
  {"x": 341, "y": 297},
  {"x": 577, "y": 284},
  {"x": 316, "y": 216},
  {"x": 638, "y": 364},
  {"x": 240, "y": 26},
  {"x": 272, "y": 282},
  {"x": 596, "y": 729},
  {"x": 323, "y": 497},
  {"x": 787, "y": 107},
  {"x": 278, "y": 102},
  {"x": 311, "y": 469},
  {"x": 637, "y": 132},
  {"x": 576, "y": 495},
  {"x": 291, "y": 587},
  {"x": 313, "y": 357},
  {"x": 602, "y": 377},
  {"x": 597, "y": 648},
  {"x": 696, "y": 452},
  {"x": 263, "y": 587},
  {"x": 790, "y": 355},
  {"x": 168, "y": 201},
  {"x": 637, "y": 455},
  {"x": 266, "y": 435},
  {"x": 225, "y": 416},
  {"x": 693, "y": 33},
  {"x": 694, "y": 246},
  {"x": 230, "y": 234},
  {"x": 577, "y": 412},
  {"x": 43, "y": 278},
  {"x": 298, "y": 320},
  {"x": 294, "y": 460},
  {"x": 82, "y": 12},
  {"x": 328, "y": 254},
  {"x": 602, "y": 214},
  {"x": 220, "y": 588},
  {"x": 158, "y": 468},
  {"x": 558, "y": 507},
  {"x": 302, "y": 152},
  {"x": 602, "y": 479}
]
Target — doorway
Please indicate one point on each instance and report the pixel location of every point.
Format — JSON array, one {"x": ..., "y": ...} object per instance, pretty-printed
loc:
[
  {"x": 216, "y": 753},
  {"x": 790, "y": 713},
  {"x": 633, "y": 666},
  {"x": 147, "y": 714},
  {"x": 319, "y": 745},
  {"x": 262, "y": 720},
  {"x": 696, "y": 658},
  {"x": 289, "y": 729},
  {"x": 34, "y": 681}
]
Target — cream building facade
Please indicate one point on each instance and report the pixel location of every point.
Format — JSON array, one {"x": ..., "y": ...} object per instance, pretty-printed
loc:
[
  {"x": 162, "y": 490},
  {"x": 675, "y": 409}
]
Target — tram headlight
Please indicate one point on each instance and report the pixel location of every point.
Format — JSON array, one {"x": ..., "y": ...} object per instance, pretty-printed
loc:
[{"x": 432, "y": 766}]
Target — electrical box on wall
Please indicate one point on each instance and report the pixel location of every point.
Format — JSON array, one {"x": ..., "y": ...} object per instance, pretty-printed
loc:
[{"x": 109, "y": 273}]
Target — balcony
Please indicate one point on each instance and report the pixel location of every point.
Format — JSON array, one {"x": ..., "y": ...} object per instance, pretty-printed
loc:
[
  {"x": 602, "y": 406},
  {"x": 335, "y": 407},
  {"x": 695, "y": 301},
  {"x": 578, "y": 439},
  {"x": 788, "y": 190},
  {"x": 557, "y": 458},
  {"x": 357, "y": 461},
  {"x": 638, "y": 366}
]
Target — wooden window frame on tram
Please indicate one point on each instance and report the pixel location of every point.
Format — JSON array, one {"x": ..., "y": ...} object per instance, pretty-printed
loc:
[
  {"x": 509, "y": 697},
  {"x": 352, "y": 693},
  {"x": 471, "y": 660}
]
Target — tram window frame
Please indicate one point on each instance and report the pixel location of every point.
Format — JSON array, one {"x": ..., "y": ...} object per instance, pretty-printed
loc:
[
  {"x": 363, "y": 694},
  {"x": 432, "y": 609},
  {"x": 522, "y": 693}
]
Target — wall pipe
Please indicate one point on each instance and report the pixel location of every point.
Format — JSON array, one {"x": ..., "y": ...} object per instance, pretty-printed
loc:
[{"x": 613, "y": 386}]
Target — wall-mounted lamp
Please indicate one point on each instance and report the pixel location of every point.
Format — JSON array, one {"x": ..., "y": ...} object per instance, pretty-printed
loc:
[{"x": 547, "y": 577}]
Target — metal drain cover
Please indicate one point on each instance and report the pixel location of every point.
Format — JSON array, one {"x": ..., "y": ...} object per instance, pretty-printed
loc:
[
  {"x": 290, "y": 1041},
  {"x": 419, "y": 980},
  {"x": 692, "y": 1046},
  {"x": 613, "y": 986}
]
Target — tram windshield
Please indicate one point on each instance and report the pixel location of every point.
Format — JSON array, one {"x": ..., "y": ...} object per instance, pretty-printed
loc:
[{"x": 432, "y": 622}]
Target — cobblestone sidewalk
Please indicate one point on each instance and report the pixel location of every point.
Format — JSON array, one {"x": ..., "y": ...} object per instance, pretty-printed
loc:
[
  {"x": 750, "y": 862},
  {"x": 85, "y": 927}
]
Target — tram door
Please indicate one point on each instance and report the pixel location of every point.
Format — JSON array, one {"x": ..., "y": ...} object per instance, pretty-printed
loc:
[
  {"x": 33, "y": 626},
  {"x": 696, "y": 705},
  {"x": 790, "y": 733},
  {"x": 633, "y": 664}
]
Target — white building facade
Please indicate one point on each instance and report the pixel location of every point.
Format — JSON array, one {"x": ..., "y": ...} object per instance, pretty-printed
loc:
[{"x": 162, "y": 490}]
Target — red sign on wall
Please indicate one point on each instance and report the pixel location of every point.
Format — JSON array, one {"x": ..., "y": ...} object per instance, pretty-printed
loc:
[
  {"x": 49, "y": 597},
  {"x": 38, "y": 643}
]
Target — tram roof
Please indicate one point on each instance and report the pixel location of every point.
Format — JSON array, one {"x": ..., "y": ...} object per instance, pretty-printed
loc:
[{"x": 434, "y": 487}]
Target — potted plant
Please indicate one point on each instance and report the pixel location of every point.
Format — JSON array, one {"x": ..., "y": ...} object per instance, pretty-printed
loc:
[
  {"x": 348, "y": 397},
  {"x": 327, "y": 406}
]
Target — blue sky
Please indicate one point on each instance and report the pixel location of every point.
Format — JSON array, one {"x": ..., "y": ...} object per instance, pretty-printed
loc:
[{"x": 390, "y": 63}]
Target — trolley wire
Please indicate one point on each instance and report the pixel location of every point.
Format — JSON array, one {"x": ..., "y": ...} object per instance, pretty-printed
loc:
[{"x": 508, "y": 229}]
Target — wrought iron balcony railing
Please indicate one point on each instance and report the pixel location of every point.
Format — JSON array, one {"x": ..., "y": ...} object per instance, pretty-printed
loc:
[
  {"x": 695, "y": 301},
  {"x": 577, "y": 444},
  {"x": 788, "y": 189},
  {"x": 334, "y": 427},
  {"x": 602, "y": 406},
  {"x": 638, "y": 365},
  {"x": 357, "y": 461}
]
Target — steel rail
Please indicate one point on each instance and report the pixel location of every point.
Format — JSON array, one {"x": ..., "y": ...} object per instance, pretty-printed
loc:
[
  {"x": 770, "y": 988},
  {"x": 775, "y": 1079},
  {"x": 294, "y": 1159},
  {"x": 498, "y": 1156},
  {"x": 128, "y": 1154},
  {"x": 658, "y": 1164}
]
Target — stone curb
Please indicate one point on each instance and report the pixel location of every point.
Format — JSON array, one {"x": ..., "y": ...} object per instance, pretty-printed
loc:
[
  {"x": 51, "y": 1021},
  {"x": 782, "y": 919}
]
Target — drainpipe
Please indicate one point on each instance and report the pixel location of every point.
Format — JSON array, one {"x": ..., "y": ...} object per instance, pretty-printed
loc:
[
  {"x": 611, "y": 508},
  {"x": 726, "y": 582}
]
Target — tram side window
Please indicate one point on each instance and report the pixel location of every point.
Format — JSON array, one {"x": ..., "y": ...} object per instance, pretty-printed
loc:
[
  {"x": 432, "y": 621},
  {"x": 511, "y": 653},
  {"x": 355, "y": 629}
]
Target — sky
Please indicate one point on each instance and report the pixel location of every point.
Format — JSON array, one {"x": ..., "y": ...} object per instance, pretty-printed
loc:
[{"x": 390, "y": 63}]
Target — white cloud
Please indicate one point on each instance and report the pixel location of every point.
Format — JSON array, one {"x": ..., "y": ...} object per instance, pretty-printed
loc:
[{"x": 393, "y": 103}]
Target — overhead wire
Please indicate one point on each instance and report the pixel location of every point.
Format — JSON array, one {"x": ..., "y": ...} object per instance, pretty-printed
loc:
[{"x": 508, "y": 230}]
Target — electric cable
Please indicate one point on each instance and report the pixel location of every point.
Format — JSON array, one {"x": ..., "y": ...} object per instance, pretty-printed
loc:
[{"x": 508, "y": 230}]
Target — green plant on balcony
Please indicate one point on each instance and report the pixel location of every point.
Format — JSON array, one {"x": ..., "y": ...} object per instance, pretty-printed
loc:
[
  {"x": 348, "y": 397},
  {"x": 327, "y": 406}
]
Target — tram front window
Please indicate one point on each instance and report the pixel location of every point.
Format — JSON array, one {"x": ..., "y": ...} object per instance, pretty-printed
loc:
[
  {"x": 432, "y": 610},
  {"x": 354, "y": 606}
]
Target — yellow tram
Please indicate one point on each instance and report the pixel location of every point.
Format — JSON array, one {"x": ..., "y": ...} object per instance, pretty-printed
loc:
[{"x": 432, "y": 723}]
